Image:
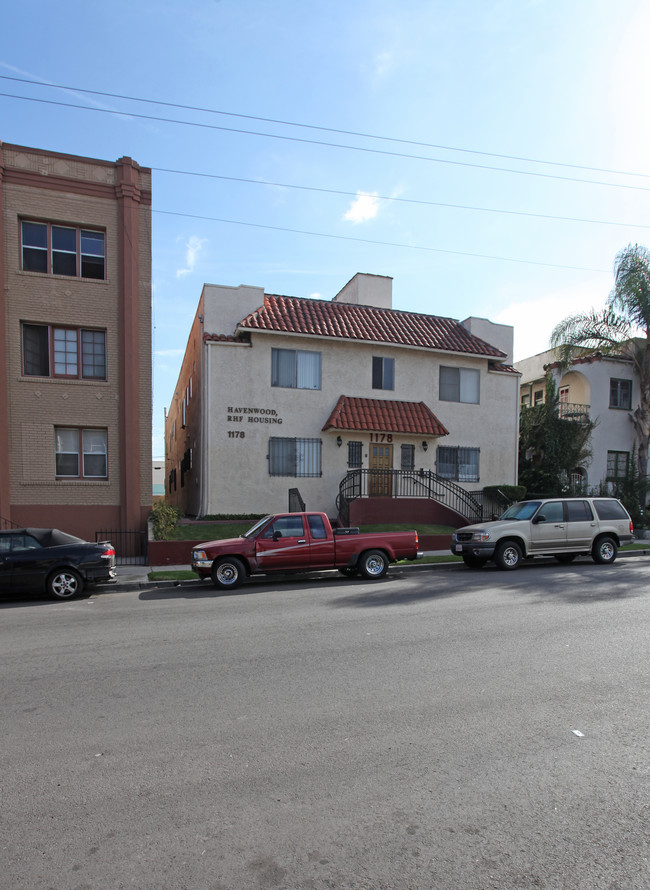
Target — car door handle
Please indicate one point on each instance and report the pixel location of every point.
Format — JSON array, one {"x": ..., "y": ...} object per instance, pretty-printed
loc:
[{"x": 302, "y": 541}]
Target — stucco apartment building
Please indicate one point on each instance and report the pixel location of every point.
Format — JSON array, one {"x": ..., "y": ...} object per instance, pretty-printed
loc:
[
  {"x": 595, "y": 387},
  {"x": 344, "y": 395},
  {"x": 75, "y": 325}
]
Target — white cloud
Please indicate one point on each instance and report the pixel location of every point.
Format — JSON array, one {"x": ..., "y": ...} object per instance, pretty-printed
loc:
[
  {"x": 364, "y": 207},
  {"x": 193, "y": 250},
  {"x": 533, "y": 320}
]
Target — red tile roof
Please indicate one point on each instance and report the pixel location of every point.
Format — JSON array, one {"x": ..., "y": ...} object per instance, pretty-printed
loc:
[
  {"x": 348, "y": 321},
  {"x": 385, "y": 416}
]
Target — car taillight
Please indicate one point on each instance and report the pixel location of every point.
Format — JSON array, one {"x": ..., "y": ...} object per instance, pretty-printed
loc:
[
  {"x": 110, "y": 551},
  {"x": 417, "y": 541},
  {"x": 631, "y": 527}
]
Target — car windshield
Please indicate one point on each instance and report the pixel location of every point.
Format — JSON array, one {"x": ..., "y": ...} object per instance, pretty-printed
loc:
[
  {"x": 252, "y": 531},
  {"x": 522, "y": 510}
]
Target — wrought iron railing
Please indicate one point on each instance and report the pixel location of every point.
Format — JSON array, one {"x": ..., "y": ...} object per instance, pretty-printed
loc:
[
  {"x": 573, "y": 411},
  {"x": 7, "y": 523},
  {"x": 474, "y": 506},
  {"x": 130, "y": 545}
]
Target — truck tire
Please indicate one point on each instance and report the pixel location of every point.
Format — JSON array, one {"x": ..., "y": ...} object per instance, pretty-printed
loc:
[
  {"x": 373, "y": 564},
  {"x": 604, "y": 550},
  {"x": 228, "y": 572},
  {"x": 508, "y": 555}
]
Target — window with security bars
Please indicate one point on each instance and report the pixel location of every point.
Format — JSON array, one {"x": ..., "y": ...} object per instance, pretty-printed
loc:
[
  {"x": 354, "y": 455},
  {"x": 50, "y": 351},
  {"x": 296, "y": 368},
  {"x": 63, "y": 250},
  {"x": 408, "y": 457},
  {"x": 295, "y": 457},
  {"x": 459, "y": 464}
]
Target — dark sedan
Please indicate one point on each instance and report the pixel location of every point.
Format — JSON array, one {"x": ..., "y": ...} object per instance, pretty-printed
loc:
[{"x": 46, "y": 559}]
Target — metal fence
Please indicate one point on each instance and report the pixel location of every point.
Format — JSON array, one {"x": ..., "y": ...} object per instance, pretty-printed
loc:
[{"x": 130, "y": 545}]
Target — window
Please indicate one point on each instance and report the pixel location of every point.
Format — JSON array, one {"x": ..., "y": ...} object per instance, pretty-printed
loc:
[
  {"x": 80, "y": 453},
  {"x": 317, "y": 527},
  {"x": 525, "y": 400},
  {"x": 620, "y": 393},
  {"x": 354, "y": 454},
  {"x": 285, "y": 527},
  {"x": 461, "y": 464},
  {"x": 408, "y": 457},
  {"x": 579, "y": 511},
  {"x": 538, "y": 397},
  {"x": 295, "y": 457},
  {"x": 617, "y": 464},
  {"x": 295, "y": 368},
  {"x": 610, "y": 509},
  {"x": 383, "y": 372},
  {"x": 55, "y": 352},
  {"x": 564, "y": 393},
  {"x": 459, "y": 385},
  {"x": 63, "y": 250}
]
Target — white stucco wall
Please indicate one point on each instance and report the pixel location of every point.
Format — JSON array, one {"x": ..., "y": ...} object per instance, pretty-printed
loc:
[{"x": 238, "y": 478}]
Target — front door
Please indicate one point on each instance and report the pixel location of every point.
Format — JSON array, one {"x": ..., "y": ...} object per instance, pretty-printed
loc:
[
  {"x": 380, "y": 464},
  {"x": 550, "y": 532}
]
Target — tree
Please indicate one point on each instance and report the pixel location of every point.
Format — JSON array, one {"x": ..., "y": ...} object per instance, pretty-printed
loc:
[
  {"x": 550, "y": 447},
  {"x": 615, "y": 330}
]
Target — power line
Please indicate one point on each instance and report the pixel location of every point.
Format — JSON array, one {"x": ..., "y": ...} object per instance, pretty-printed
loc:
[
  {"x": 322, "y": 190},
  {"x": 319, "y": 143},
  {"x": 270, "y": 120},
  {"x": 483, "y": 256}
]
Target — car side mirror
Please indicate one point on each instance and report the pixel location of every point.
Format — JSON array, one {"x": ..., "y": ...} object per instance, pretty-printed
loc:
[
  {"x": 277, "y": 535},
  {"x": 540, "y": 518}
]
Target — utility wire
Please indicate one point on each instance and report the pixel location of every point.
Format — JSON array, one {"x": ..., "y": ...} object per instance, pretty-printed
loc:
[
  {"x": 320, "y": 190},
  {"x": 270, "y": 120},
  {"x": 357, "y": 148},
  {"x": 483, "y": 256}
]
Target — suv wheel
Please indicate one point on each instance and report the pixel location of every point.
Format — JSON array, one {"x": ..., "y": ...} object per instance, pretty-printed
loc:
[
  {"x": 604, "y": 550},
  {"x": 508, "y": 555}
]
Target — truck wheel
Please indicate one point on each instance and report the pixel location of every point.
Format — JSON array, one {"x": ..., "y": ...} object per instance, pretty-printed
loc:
[
  {"x": 373, "y": 564},
  {"x": 228, "y": 573},
  {"x": 508, "y": 555},
  {"x": 604, "y": 550}
]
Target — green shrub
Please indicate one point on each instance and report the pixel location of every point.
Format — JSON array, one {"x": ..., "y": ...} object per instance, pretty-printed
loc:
[{"x": 164, "y": 519}]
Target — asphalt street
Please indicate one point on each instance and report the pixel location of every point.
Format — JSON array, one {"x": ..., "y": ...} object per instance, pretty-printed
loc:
[{"x": 442, "y": 728}]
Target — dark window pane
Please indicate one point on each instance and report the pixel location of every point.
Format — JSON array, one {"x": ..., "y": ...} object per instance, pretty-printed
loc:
[
  {"x": 92, "y": 267},
  {"x": 93, "y": 351},
  {"x": 64, "y": 263},
  {"x": 35, "y": 235},
  {"x": 34, "y": 260},
  {"x": 95, "y": 465},
  {"x": 377, "y": 372},
  {"x": 36, "y": 354},
  {"x": 64, "y": 239},
  {"x": 67, "y": 464}
]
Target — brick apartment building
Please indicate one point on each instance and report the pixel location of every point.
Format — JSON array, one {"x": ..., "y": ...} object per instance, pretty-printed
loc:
[{"x": 75, "y": 327}]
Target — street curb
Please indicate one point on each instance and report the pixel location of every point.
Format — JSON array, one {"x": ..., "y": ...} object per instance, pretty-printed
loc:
[{"x": 418, "y": 567}]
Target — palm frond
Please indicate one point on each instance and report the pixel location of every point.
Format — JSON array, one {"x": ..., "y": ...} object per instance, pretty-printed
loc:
[
  {"x": 631, "y": 293},
  {"x": 604, "y": 331}
]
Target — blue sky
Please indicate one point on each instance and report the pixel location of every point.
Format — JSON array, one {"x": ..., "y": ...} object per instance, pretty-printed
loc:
[{"x": 513, "y": 164}]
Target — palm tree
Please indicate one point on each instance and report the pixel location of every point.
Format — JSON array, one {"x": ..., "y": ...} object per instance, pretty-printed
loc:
[{"x": 621, "y": 328}]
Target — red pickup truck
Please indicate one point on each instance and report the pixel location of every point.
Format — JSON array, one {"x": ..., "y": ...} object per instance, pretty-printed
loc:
[{"x": 301, "y": 542}]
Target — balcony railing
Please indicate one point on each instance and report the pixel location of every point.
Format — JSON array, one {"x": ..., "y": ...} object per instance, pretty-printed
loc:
[{"x": 573, "y": 411}]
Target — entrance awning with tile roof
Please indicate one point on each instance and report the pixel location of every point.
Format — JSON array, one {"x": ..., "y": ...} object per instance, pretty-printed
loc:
[{"x": 384, "y": 416}]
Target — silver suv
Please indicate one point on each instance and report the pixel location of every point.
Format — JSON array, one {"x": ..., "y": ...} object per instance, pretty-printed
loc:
[{"x": 559, "y": 527}]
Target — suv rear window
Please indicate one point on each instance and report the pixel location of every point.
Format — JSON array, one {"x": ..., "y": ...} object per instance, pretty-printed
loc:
[
  {"x": 579, "y": 511},
  {"x": 610, "y": 509}
]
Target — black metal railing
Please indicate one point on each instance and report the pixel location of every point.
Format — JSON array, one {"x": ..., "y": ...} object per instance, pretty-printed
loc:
[
  {"x": 130, "y": 545},
  {"x": 7, "y": 523},
  {"x": 474, "y": 506}
]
